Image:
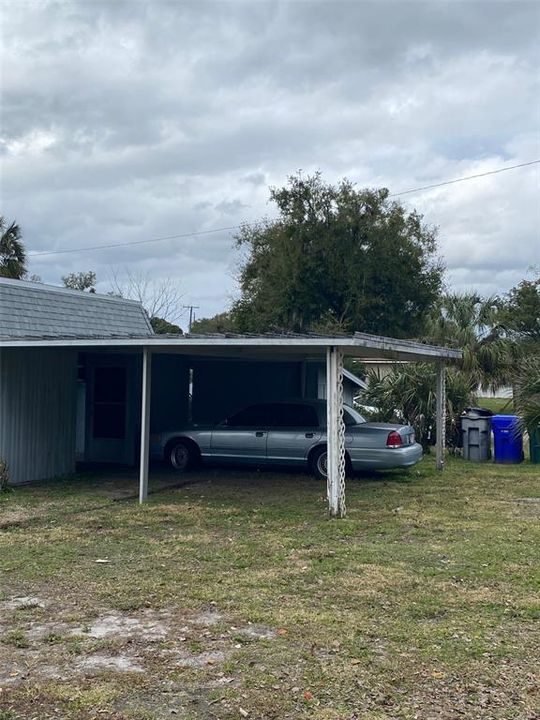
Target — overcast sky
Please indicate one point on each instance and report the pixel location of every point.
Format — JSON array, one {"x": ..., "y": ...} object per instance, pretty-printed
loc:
[{"x": 124, "y": 121}]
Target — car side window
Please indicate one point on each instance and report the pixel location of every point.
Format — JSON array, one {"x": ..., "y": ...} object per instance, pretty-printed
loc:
[
  {"x": 252, "y": 416},
  {"x": 292, "y": 415}
]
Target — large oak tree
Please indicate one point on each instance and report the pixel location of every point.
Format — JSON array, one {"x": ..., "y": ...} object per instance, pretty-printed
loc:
[{"x": 337, "y": 258}]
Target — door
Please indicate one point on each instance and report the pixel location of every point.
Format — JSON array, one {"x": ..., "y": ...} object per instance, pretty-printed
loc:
[
  {"x": 109, "y": 432},
  {"x": 295, "y": 429},
  {"x": 242, "y": 437}
]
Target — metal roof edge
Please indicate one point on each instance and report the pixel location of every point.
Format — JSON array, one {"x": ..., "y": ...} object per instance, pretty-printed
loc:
[
  {"x": 373, "y": 342},
  {"x": 354, "y": 378},
  {"x": 405, "y": 346}
]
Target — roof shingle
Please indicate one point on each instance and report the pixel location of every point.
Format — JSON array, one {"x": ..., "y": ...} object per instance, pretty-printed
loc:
[{"x": 37, "y": 310}]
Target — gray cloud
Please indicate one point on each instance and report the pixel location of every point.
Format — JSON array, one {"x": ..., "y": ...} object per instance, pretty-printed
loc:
[{"x": 123, "y": 121}]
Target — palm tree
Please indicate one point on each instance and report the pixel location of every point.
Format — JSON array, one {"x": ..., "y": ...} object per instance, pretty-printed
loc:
[
  {"x": 410, "y": 390},
  {"x": 471, "y": 323},
  {"x": 527, "y": 391},
  {"x": 12, "y": 252}
]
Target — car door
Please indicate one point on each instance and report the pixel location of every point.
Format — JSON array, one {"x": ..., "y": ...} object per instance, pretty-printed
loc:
[
  {"x": 242, "y": 437},
  {"x": 295, "y": 429}
]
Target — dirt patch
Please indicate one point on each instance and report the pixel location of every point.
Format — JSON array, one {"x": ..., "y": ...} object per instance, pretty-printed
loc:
[
  {"x": 101, "y": 661},
  {"x": 199, "y": 660},
  {"x": 56, "y": 646},
  {"x": 26, "y": 601},
  {"x": 207, "y": 618},
  {"x": 119, "y": 625},
  {"x": 258, "y": 632}
]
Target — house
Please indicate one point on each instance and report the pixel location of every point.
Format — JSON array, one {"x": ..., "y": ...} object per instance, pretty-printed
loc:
[
  {"x": 83, "y": 376},
  {"x": 93, "y": 395}
]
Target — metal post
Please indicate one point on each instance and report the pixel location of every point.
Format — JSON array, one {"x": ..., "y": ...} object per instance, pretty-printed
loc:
[
  {"x": 335, "y": 433},
  {"x": 145, "y": 424},
  {"x": 440, "y": 414}
]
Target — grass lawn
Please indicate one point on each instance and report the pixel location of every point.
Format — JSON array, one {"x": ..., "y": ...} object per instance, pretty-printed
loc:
[
  {"x": 234, "y": 596},
  {"x": 503, "y": 406}
]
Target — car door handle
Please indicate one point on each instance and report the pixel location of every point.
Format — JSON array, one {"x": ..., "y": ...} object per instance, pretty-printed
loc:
[
  {"x": 309, "y": 435},
  {"x": 259, "y": 433}
]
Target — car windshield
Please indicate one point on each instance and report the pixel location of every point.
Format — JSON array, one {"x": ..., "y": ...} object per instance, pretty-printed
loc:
[{"x": 351, "y": 417}]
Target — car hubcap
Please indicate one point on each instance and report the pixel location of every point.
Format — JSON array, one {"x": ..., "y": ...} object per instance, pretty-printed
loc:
[
  {"x": 179, "y": 457},
  {"x": 322, "y": 464}
]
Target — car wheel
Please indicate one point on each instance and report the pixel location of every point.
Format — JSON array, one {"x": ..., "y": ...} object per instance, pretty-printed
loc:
[
  {"x": 181, "y": 456},
  {"x": 319, "y": 463}
]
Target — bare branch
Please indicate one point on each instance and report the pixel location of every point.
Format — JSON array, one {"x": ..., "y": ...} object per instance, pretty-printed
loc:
[{"x": 160, "y": 298}]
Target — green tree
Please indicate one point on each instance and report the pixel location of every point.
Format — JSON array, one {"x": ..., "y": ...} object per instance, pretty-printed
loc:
[
  {"x": 520, "y": 319},
  {"x": 471, "y": 323},
  {"x": 220, "y": 323},
  {"x": 337, "y": 258},
  {"x": 527, "y": 391},
  {"x": 163, "y": 327},
  {"x": 520, "y": 314},
  {"x": 12, "y": 252},
  {"x": 81, "y": 281}
]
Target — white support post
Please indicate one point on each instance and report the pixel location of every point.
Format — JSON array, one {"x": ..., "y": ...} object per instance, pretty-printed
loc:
[
  {"x": 440, "y": 425},
  {"x": 145, "y": 423},
  {"x": 335, "y": 433}
]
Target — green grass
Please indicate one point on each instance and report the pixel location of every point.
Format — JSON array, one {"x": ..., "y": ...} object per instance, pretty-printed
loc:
[
  {"x": 423, "y": 602},
  {"x": 497, "y": 405}
]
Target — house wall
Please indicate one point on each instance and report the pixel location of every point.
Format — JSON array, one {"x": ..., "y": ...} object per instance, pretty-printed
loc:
[
  {"x": 349, "y": 388},
  {"x": 37, "y": 412}
]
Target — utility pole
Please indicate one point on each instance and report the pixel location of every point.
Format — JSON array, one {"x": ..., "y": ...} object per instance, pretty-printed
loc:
[{"x": 191, "y": 308}]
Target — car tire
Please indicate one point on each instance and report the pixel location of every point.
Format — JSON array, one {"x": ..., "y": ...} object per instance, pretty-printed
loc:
[
  {"x": 181, "y": 455},
  {"x": 318, "y": 463}
]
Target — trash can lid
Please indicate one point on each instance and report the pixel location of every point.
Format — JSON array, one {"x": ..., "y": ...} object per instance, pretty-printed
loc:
[
  {"x": 504, "y": 421},
  {"x": 476, "y": 412}
]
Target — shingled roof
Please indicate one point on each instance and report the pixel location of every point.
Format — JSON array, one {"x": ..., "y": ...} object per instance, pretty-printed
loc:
[{"x": 29, "y": 309}]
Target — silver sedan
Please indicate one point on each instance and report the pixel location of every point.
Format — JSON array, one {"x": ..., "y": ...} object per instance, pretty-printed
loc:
[{"x": 287, "y": 433}]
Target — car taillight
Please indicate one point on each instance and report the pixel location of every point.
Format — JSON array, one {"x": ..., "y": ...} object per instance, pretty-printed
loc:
[{"x": 394, "y": 440}]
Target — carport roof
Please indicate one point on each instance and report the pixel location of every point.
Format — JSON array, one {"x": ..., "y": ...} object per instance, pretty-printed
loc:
[{"x": 360, "y": 345}]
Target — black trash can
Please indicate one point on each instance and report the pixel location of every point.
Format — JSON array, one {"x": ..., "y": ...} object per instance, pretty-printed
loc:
[{"x": 476, "y": 434}]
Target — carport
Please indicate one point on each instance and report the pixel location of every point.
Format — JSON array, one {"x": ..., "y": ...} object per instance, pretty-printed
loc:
[
  {"x": 50, "y": 337},
  {"x": 359, "y": 346},
  {"x": 273, "y": 348}
]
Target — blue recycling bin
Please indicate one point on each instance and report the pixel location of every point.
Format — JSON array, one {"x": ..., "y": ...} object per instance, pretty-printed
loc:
[{"x": 508, "y": 439}]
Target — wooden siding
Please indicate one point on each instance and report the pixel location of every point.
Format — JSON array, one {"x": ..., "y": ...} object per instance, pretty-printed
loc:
[{"x": 37, "y": 412}]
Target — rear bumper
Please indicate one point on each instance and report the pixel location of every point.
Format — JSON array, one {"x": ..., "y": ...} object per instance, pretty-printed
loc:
[{"x": 385, "y": 458}]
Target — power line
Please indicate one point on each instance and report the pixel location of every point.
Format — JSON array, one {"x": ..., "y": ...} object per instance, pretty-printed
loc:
[
  {"x": 136, "y": 242},
  {"x": 469, "y": 177},
  {"x": 237, "y": 227}
]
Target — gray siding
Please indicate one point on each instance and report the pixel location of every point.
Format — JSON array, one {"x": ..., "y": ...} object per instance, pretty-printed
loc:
[
  {"x": 350, "y": 389},
  {"x": 37, "y": 412}
]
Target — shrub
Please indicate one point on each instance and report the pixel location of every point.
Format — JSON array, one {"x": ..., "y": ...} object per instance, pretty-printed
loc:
[
  {"x": 407, "y": 393},
  {"x": 4, "y": 475},
  {"x": 527, "y": 392}
]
